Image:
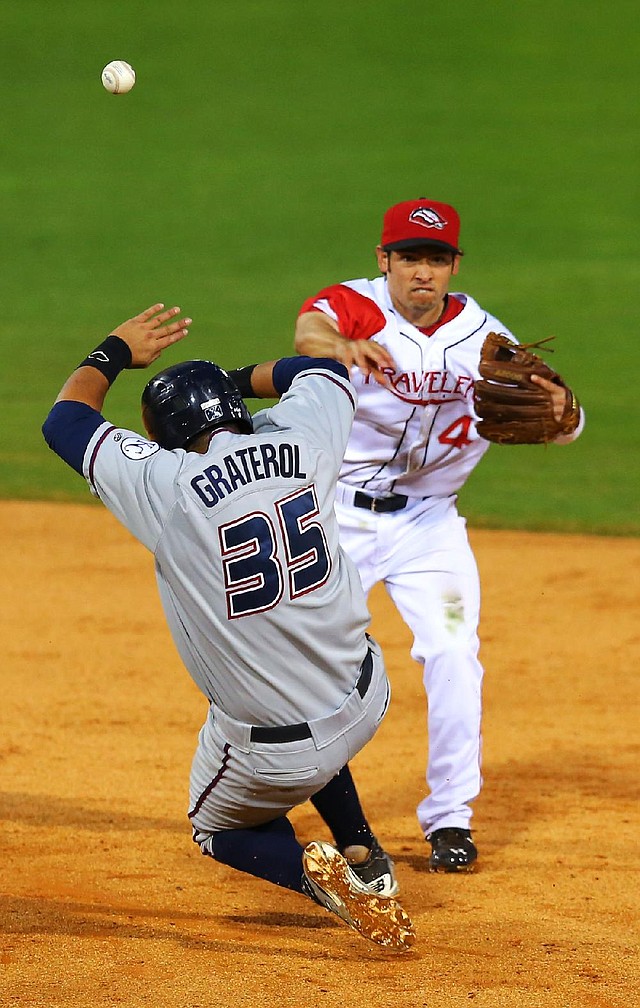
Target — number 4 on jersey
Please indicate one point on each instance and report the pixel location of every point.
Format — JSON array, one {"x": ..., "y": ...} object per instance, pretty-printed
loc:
[{"x": 456, "y": 434}]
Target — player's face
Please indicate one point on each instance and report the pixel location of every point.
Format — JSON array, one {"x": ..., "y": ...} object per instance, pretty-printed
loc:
[{"x": 418, "y": 280}]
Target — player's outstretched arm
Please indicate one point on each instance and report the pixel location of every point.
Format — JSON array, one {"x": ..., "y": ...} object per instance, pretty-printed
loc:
[
  {"x": 77, "y": 412},
  {"x": 257, "y": 381},
  {"x": 135, "y": 343},
  {"x": 317, "y": 335}
]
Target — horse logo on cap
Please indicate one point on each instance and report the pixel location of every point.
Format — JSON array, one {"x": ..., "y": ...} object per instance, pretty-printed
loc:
[{"x": 427, "y": 218}]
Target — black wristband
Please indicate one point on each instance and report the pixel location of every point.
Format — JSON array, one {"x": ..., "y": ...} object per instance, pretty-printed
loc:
[
  {"x": 242, "y": 378},
  {"x": 110, "y": 358}
]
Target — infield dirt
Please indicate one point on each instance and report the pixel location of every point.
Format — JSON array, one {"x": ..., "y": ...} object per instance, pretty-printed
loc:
[{"x": 106, "y": 901}]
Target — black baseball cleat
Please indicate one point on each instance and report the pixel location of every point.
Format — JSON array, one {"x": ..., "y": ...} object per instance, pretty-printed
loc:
[
  {"x": 377, "y": 870},
  {"x": 452, "y": 850},
  {"x": 328, "y": 880}
]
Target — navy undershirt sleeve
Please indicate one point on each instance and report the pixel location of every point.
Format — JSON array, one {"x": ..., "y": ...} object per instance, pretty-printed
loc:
[
  {"x": 68, "y": 430},
  {"x": 285, "y": 370}
]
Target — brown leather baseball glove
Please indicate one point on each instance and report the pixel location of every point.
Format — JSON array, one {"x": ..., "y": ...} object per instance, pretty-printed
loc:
[{"x": 513, "y": 409}]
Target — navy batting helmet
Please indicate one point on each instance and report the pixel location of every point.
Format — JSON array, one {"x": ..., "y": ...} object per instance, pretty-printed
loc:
[{"x": 190, "y": 398}]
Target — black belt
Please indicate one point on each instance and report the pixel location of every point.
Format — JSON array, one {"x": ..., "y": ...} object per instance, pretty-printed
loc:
[
  {"x": 296, "y": 732},
  {"x": 395, "y": 502}
]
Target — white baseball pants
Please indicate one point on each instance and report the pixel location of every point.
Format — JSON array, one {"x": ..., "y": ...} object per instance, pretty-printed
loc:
[{"x": 423, "y": 556}]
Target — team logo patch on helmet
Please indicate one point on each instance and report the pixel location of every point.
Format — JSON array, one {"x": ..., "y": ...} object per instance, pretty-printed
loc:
[
  {"x": 212, "y": 409},
  {"x": 427, "y": 218}
]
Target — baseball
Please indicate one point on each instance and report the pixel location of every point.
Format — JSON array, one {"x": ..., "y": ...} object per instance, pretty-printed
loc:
[{"x": 118, "y": 77}]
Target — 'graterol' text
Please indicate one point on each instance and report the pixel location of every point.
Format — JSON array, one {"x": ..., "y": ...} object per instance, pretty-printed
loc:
[{"x": 255, "y": 462}]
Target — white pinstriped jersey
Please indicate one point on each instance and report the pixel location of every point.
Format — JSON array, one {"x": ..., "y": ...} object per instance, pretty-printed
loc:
[
  {"x": 266, "y": 610},
  {"x": 418, "y": 436}
]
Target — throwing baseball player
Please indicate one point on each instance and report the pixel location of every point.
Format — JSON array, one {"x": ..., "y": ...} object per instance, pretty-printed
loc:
[
  {"x": 433, "y": 391},
  {"x": 238, "y": 513}
]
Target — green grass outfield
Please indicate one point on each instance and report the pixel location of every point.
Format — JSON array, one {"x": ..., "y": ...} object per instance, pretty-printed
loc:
[{"x": 252, "y": 163}]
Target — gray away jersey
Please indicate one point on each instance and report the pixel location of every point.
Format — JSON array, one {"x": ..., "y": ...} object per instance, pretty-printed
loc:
[{"x": 265, "y": 609}]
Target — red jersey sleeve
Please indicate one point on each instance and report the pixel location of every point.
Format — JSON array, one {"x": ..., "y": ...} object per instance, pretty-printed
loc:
[{"x": 358, "y": 317}]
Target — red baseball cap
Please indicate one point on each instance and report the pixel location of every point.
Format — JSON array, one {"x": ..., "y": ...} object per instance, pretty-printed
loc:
[{"x": 421, "y": 222}]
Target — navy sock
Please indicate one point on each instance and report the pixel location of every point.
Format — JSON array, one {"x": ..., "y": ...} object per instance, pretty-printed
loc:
[
  {"x": 269, "y": 852},
  {"x": 338, "y": 804}
]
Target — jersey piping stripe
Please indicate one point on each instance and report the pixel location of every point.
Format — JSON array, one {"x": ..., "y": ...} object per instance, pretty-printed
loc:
[
  {"x": 94, "y": 453},
  {"x": 336, "y": 381},
  {"x": 389, "y": 461},
  {"x": 464, "y": 338},
  {"x": 209, "y": 788},
  {"x": 428, "y": 438},
  {"x": 444, "y": 364},
  {"x": 408, "y": 336}
]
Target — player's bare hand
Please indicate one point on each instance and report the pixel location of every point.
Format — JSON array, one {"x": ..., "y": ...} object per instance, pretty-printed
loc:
[
  {"x": 372, "y": 359},
  {"x": 151, "y": 332},
  {"x": 558, "y": 395}
]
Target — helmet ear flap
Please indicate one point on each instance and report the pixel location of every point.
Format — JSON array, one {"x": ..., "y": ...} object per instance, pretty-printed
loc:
[
  {"x": 147, "y": 420},
  {"x": 188, "y": 399}
]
